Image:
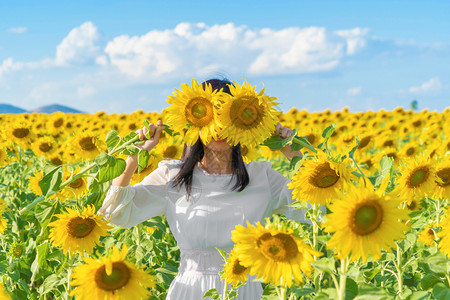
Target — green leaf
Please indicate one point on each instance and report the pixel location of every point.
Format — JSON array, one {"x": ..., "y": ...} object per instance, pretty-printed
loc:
[
  {"x": 111, "y": 169},
  {"x": 275, "y": 142},
  {"x": 422, "y": 295},
  {"x": 326, "y": 134},
  {"x": 143, "y": 159},
  {"x": 147, "y": 125},
  {"x": 441, "y": 292},
  {"x": 350, "y": 154},
  {"x": 51, "y": 180},
  {"x": 130, "y": 150},
  {"x": 325, "y": 264},
  {"x": 295, "y": 163},
  {"x": 437, "y": 263},
  {"x": 112, "y": 139},
  {"x": 429, "y": 280},
  {"x": 49, "y": 284},
  {"x": 351, "y": 288},
  {"x": 212, "y": 293},
  {"x": 223, "y": 253},
  {"x": 386, "y": 167}
]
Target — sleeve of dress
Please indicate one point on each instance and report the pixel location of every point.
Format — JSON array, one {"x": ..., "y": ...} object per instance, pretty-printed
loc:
[
  {"x": 131, "y": 205},
  {"x": 281, "y": 196}
]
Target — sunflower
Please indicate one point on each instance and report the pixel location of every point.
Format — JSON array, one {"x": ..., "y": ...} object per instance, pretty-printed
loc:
[
  {"x": 3, "y": 294},
  {"x": 443, "y": 179},
  {"x": 444, "y": 234},
  {"x": 249, "y": 153},
  {"x": 233, "y": 271},
  {"x": 364, "y": 221},
  {"x": 247, "y": 117},
  {"x": 194, "y": 108},
  {"x": 85, "y": 145},
  {"x": 318, "y": 181},
  {"x": 427, "y": 236},
  {"x": 151, "y": 166},
  {"x": 45, "y": 146},
  {"x": 169, "y": 148},
  {"x": 3, "y": 156},
  {"x": 33, "y": 182},
  {"x": 418, "y": 179},
  {"x": 3, "y": 224},
  {"x": 56, "y": 122},
  {"x": 111, "y": 278},
  {"x": 273, "y": 252},
  {"x": 21, "y": 133},
  {"x": 269, "y": 154},
  {"x": 77, "y": 187},
  {"x": 78, "y": 232}
]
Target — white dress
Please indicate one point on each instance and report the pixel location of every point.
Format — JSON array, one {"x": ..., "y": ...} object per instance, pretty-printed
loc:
[{"x": 205, "y": 221}]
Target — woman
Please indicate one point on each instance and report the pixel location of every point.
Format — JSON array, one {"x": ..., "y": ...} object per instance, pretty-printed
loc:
[{"x": 203, "y": 196}]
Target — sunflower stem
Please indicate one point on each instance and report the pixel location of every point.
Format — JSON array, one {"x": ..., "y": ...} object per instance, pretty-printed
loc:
[
  {"x": 398, "y": 266},
  {"x": 342, "y": 278},
  {"x": 38, "y": 199},
  {"x": 305, "y": 145},
  {"x": 281, "y": 292},
  {"x": 438, "y": 211},
  {"x": 224, "y": 294}
]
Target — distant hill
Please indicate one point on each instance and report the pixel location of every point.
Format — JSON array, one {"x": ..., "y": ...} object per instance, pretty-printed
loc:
[
  {"x": 47, "y": 109},
  {"x": 11, "y": 109}
]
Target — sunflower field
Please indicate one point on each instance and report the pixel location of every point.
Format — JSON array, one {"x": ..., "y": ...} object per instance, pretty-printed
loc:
[{"x": 375, "y": 187}]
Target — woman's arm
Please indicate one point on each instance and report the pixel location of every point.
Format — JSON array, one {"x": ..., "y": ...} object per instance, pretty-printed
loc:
[
  {"x": 132, "y": 160},
  {"x": 285, "y": 132}
]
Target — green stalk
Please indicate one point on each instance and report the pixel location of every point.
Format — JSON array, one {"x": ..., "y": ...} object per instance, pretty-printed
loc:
[
  {"x": 342, "y": 279},
  {"x": 303, "y": 144},
  {"x": 281, "y": 292},
  {"x": 398, "y": 266},
  {"x": 224, "y": 294},
  {"x": 438, "y": 211}
]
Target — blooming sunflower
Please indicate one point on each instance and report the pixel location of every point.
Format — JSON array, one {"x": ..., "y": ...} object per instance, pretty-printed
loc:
[
  {"x": 233, "y": 271},
  {"x": 77, "y": 187},
  {"x": 444, "y": 234},
  {"x": 318, "y": 181},
  {"x": 110, "y": 278},
  {"x": 3, "y": 156},
  {"x": 169, "y": 148},
  {"x": 3, "y": 224},
  {"x": 249, "y": 153},
  {"x": 21, "y": 133},
  {"x": 45, "y": 146},
  {"x": 194, "y": 107},
  {"x": 33, "y": 182},
  {"x": 3, "y": 294},
  {"x": 273, "y": 253},
  {"x": 85, "y": 145},
  {"x": 364, "y": 221},
  {"x": 247, "y": 117},
  {"x": 443, "y": 182},
  {"x": 78, "y": 232},
  {"x": 427, "y": 236},
  {"x": 418, "y": 179}
]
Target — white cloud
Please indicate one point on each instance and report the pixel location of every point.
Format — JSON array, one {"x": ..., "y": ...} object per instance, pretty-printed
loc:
[
  {"x": 18, "y": 29},
  {"x": 200, "y": 49},
  {"x": 354, "y": 91},
  {"x": 79, "y": 46},
  {"x": 355, "y": 39},
  {"x": 432, "y": 85}
]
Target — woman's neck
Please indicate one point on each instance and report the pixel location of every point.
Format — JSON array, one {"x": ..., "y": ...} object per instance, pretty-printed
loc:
[{"x": 216, "y": 162}]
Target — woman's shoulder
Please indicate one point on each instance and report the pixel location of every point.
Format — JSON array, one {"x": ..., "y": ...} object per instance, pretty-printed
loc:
[
  {"x": 258, "y": 166},
  {"x": 170, "y": 163}
]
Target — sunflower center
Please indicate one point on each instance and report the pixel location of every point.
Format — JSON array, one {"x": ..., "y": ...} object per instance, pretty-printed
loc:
[
  {"x": 444, "y": 175},
  {"x": 412, "y": 205},
  {"x": 366, "y": 217},
  {"x": 199, "y": 112},
  {"x": 246, "y": 112},
  {"x": 17, "y": 251},
  {"x": 170, "y": 152},
  {"x": 118, "y": 278},
  {"x": 56, "y": 161},
  {"x": 238, "y": 269},
  {"x": 45, "y": 147},
  {"x": 79, "y": 227},
  {"x": 410, "y": 151},
  {"x": 77, "y": 183},
  {"x": 58, "y": 123},
  {"x": 86, "y": 144},
  {"x": 311, "y": 138},
  {"x": 244, "y": 150},
  {"x": 418, "y": 176},
  {"x": 324, "y": 176},
  {"x": 20, "y": 133},
  {"x": 280, "y": 247}
]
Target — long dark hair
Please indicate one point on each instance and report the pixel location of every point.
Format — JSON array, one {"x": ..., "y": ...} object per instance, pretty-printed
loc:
[{"x": 194, "y": 154}]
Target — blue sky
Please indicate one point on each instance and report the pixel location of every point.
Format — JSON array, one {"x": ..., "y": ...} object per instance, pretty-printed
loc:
[{"x": 121, "y": 56}]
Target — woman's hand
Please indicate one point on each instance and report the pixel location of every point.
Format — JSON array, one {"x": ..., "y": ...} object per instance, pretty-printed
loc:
[
  {"x": 284, "y": 133},
  {"x": 155, "y": 132}
]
